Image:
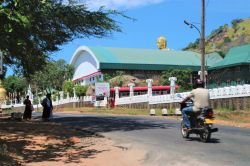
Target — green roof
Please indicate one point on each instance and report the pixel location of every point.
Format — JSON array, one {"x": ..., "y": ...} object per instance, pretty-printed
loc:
[
  {"x": 239, "y": 55},
  {"x": 213, "y": 58},
  {"x": 145, "y": 59}
]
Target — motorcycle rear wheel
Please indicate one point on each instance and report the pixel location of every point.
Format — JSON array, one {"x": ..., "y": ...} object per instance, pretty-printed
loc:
[
  {"x": 184, "y": 133},
  {"x": 205, "y": 135}
]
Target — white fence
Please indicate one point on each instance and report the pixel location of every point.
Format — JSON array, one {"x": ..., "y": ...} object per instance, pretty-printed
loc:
[
  {"x": 55, "y": 103},
  {"x": 230, "y": 92},
  {"x": 216, "y": 93}
]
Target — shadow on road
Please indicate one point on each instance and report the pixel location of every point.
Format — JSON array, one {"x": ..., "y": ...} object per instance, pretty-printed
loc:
[
  {"x": 212, "y": 140},
  {"x": 108, "y": 124}
]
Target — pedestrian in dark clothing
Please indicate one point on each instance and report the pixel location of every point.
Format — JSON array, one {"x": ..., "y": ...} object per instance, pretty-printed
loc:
[
  {"x": 47, "y": 107},
  {"x": 18, "y": 98},
  {"x": 28, "y": 108}
]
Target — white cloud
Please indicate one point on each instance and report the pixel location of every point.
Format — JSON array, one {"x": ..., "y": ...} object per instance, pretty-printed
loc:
[{"x": 120, "y": 4}]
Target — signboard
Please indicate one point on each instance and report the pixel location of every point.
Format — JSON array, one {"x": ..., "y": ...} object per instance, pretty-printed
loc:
[{"x": 102, "y": 89}]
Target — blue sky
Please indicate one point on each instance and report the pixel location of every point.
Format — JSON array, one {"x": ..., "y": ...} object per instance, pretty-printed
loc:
[{"x": 156, "y": 18}]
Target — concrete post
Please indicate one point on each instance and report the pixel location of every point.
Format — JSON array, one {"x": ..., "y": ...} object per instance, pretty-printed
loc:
[
  {"x": 149, "y": 81},
  {"x": 116, "y": 93},
  {"x": 61, "y": 95},
  {"x": 29, "y": 92},
  {"x": 172, "y": 85},
  {"x": 74, "y": 91},
  {"x": 131, "y": 89},
  {"x": 68, "y": 96}
]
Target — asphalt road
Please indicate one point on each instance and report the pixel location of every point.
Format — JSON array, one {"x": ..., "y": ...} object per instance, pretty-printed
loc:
[{"x": 162, "y": 141}]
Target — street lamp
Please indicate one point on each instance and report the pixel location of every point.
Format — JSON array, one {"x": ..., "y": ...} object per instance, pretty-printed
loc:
[
  {"x": 192, "y": 26},
  {"x": 202, "y": 39}
]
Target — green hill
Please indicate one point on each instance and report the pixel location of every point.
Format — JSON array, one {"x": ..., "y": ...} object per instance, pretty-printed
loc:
[{"x": 225, "y": 37}]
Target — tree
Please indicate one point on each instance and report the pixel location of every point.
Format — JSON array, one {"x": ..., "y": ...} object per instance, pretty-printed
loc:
[
  {"x": 68, "y": 87},
  {"x": 194, "y": 45},
  {"x": 31, "y": 29},
  {"x": 80, "y": 90},
  {"x": 52, "y": 75},
  {"x": 14, "y": 84},
  {"x": 235, "y": 22},
  {"x": 183, "y": 78}
]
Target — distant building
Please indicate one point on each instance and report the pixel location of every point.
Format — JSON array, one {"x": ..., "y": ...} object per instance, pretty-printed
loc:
[{"x": 233, "y": 69}]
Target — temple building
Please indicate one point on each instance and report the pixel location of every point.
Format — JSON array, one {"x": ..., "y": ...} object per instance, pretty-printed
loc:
[{"x": 92, "y": 63}]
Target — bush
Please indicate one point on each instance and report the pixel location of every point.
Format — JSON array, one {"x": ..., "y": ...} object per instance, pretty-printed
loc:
[
  {"x": 8, "y": 102},
  {"x": 227, "y": 40},
  {"x": 80, "y": 90},
  {"x": 183, "y": 78},
  {"x": 68, "y": 87},
  {"x": 35, "y": 100}
]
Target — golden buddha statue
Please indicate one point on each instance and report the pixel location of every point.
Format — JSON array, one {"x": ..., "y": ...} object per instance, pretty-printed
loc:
[{"x": 161, "y": 42}]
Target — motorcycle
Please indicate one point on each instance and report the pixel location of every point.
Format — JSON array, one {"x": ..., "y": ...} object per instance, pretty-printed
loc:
[{"x": 201, "y": 123}]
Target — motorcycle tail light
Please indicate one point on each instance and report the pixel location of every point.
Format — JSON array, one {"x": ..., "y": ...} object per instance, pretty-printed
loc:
[{"x": 210, "y": 114}]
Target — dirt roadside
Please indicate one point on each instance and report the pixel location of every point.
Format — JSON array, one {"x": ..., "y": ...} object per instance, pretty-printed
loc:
[{"x": 36, "y": 143}]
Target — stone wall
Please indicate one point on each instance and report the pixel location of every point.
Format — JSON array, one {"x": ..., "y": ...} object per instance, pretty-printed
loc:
[{"x": 239, "y": 103}]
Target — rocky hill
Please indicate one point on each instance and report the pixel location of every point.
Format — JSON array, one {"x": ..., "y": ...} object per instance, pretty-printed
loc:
[{"x": 225, "y": 37}]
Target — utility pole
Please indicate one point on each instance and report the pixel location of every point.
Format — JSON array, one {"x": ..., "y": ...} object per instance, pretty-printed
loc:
[{"x": 202, "y": 42}]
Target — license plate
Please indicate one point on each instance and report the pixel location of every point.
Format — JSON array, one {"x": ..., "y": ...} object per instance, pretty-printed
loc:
[{"x": 209, "y": 121}]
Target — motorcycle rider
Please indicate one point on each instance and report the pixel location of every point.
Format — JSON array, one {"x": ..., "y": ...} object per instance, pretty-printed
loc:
[{"x": 200, "y": 97}]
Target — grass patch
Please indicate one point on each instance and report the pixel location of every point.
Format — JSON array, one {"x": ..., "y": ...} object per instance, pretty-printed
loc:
[
  {"x": 224, "y": 110},
  {"x": 120, "y": 111},
  {"x": 7, "y": 110},
  {"x": 116, "y": 111},
  {"x": 233, "y": 116}
]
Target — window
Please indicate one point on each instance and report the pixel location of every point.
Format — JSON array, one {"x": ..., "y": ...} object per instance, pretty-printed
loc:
[{"x": 124, "y": 94}]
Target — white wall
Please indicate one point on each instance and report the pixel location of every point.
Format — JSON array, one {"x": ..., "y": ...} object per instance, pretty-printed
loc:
[{"x": 84, "y": 65}]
